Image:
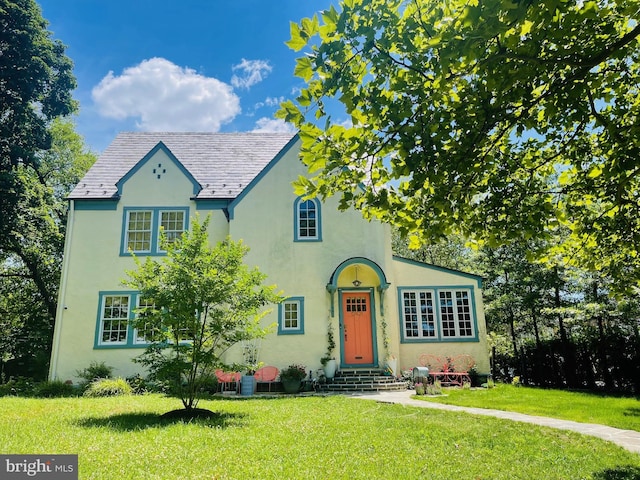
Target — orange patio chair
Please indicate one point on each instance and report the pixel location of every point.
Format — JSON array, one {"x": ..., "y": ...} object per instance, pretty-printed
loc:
[
  {"x": 228, "y": 380},
  {"x": 266, "y": 375}
]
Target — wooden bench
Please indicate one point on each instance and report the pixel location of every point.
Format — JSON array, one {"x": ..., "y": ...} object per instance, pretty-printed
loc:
[{"x": 448, "y": 370}]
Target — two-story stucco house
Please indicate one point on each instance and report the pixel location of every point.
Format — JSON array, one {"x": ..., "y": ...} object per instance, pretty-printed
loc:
[{"x": 336, "y": 268}]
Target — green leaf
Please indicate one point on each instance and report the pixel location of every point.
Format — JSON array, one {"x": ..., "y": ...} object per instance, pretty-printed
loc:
[
  {"x": 304, "y": 68},
  {"x": 297, "y": 42}
]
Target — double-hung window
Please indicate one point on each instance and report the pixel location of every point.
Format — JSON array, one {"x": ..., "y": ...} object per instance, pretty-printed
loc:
[
  {"x": 115, "y": 328},
  {"x": 437, "y": 314},
  {"x": 114, "y": 319},
  {"x": 145, "y": 332},
  {"x": 291, "y": 316},
  {"x": 307, "y": 221},
  {"x": 144, "y": 226}
]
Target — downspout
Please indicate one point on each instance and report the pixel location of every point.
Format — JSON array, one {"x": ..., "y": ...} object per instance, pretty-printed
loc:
[{"x": 53, "y": 365}]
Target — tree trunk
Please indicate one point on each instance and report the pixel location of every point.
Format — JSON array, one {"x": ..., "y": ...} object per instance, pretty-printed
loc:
[{"x": 567, "y": 353}]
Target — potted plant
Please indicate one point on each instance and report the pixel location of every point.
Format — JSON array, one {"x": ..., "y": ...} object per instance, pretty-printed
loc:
[
  {"x": 329, "y": 365},
  {"x": 291, "y": 378},
  {"x": 251, "y": 364}
]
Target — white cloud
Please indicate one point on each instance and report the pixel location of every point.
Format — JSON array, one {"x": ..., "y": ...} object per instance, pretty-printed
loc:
[
  {"x": 269, "y": 102},
  {"x": 166, "y": 97},
  {"x": 266, "y": 124},
  {"x": 251, "y": 72},
  {"x": 273, "y": 102}
]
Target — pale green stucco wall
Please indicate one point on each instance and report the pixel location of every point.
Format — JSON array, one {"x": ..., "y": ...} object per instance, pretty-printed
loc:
[
  {"x": 410, "y": 275},
  {"x": 93, "y": 264},
  {"x": 264, "y": 219}
]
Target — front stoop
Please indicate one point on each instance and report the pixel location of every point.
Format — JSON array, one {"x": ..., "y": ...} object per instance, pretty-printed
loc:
[{"x": 361, "y": 380}]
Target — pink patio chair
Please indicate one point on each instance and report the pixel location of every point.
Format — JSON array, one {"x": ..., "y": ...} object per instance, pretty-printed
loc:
[
  {"x": 266, "y": 375},
  {"x": 228, "y": 380}
]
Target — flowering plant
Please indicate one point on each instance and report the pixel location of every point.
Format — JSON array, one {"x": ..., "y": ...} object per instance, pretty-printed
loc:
[{"x": 293, "y": 372}]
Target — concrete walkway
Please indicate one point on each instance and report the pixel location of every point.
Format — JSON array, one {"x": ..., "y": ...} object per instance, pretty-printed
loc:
[{"x": 628, "y": 439}]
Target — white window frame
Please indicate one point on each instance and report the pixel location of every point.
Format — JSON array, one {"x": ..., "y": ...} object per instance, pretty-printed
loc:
[
  {"x": 170, "y": 234},
  {"x": 427, "y": 321}
]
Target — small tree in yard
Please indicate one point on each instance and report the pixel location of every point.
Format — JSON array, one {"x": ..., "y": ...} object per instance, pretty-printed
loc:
[{"x": 196, "y": 303}]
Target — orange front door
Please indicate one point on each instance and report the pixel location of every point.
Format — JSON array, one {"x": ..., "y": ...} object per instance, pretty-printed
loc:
[{"x": 356, "y": 328}]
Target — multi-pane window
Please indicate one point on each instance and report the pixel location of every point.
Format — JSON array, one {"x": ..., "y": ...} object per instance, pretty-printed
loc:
[
  {"x": 418, "y": 314},
  {"x": 291, "y": 316},
  {"x": 139, "y": 231},
  {"x": 114, "y": 319},
  {"x": 116, "y": 327},
  {"x": 307, "y": 220},
  {"x": 172, "y": 224},
  {"x": 456, "y": 314},
  {"x": 145, "y": 331},
  {"x": 143, "y": 227},
  {"x": 436, "y": 313},
  {"x": 356, "y": 304}
]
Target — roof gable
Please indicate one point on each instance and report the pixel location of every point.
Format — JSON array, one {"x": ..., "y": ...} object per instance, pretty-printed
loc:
[
  {"x": 159, "y": 147},
  {"x": 222, "y": 164}
]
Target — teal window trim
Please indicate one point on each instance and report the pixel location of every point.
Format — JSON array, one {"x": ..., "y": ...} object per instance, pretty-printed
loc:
[
  {"x": 283, "y": 310},
  {"x": 156, "y": 213},
  {"x": 131, "y": 340},
  {"x": 300, "y": 210},
  {"x": 438, "y": 337}
]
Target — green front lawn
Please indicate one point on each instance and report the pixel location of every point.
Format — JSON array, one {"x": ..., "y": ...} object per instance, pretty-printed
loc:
[
  {"x": 620, "y": 412},
  {"x": 307, "y": 438}
]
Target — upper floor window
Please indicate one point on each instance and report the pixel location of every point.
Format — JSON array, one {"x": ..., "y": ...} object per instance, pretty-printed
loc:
[
  {"x": 437, "y": 314},
  {"x": 143, "y": 226},
  {"x": 307, "y": 220},
  {"x": 291, "y": 316}
]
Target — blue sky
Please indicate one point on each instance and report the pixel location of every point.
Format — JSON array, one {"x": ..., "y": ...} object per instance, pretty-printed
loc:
[{"x": 178, "y": 65}]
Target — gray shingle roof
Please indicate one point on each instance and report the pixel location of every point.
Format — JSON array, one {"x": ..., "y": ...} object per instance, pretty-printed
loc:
[{"x": 222, "y": 163}]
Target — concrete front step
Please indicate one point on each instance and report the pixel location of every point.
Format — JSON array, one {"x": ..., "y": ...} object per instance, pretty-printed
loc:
[{"x": 362, "y": 380}]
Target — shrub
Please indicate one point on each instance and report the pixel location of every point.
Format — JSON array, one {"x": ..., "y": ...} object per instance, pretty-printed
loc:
[
  {"x": 108, "y": 387},
  {"x": 18, "y": 386},
  {"x": 420, "y": 390},
  {"x": 55, "y": 388},
  {"x": 95, "y": 371},
  {"x": 209, "y": 384},
  {"x": 434, "y": 388},
  {"x": 139, "y": 385}
]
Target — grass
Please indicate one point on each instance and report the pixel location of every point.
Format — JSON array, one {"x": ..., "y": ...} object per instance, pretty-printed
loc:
[
  {"x": 619, "y": 412},
  {"x": 299, "y": 438}
]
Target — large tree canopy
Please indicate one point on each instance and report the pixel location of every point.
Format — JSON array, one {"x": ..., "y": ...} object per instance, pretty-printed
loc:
[
  {"x": 31, "y": 251},
  {"x": 36, "y": 81},
  {"x": 498, "y": 120}
]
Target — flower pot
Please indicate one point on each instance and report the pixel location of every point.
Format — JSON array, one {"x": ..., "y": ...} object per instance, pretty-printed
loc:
[
  {"x": 291, "y": 385},
  {"x": 247, "y": 385},
  {"x": 330, "y": 368}
]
